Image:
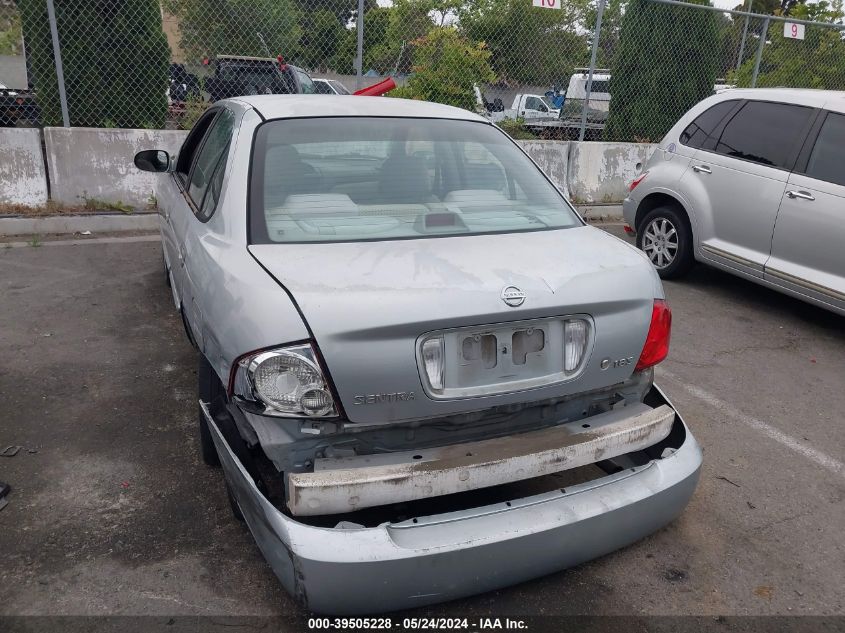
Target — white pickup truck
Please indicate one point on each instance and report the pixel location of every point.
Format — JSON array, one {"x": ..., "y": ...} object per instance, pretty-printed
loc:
[{"x": 525, "y": 106}]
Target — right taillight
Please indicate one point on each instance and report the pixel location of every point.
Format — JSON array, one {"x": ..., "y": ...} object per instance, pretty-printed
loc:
[
  {"x": 657, "y": 342},
  {"x": 637, "y": 181}
]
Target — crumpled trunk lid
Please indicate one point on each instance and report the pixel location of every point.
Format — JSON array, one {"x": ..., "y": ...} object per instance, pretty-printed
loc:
[{"x": 368, "y": 303}]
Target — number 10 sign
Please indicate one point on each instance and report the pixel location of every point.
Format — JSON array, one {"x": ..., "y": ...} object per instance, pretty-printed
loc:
[{"x": 547, "y": 4}]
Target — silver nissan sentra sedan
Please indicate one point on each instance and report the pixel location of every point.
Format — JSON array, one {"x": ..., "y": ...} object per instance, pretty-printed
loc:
[{"x": 424, "y": 376}]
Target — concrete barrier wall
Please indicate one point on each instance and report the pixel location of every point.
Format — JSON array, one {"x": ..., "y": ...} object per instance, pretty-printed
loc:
[
  {"x": 599, "y": 173},
  {"x": 98, "y": 163},
  {"x": 22, "y": 176},
  {"x": 553, "y": 158}
]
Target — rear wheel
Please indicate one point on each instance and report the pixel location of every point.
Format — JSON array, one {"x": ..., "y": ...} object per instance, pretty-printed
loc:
[
  {"x": 665, "y": 236},
  {"x": 233, "y": 503},
  {"x": 210, "y": 390}
]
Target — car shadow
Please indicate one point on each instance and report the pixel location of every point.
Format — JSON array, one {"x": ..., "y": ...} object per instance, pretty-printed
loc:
[{"x": 756, "y": 298}]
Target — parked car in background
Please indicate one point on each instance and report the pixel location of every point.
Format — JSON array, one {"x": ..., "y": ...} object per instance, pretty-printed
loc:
[
  {"x": 527, "y": 106},
  {"x": 752, "y": 182},
  {"x": 329, "y": 87},
  {"x": 576, "y": 93},
  {"x": 238, "y": 76},
  {"x": 424, "y": 375},
  {"x": 183, "y": 86},
  {"x": 18, "y": 108}
]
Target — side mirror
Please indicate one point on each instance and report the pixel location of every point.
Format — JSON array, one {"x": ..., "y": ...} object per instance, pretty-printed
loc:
[{"x": 155, "y": 160}]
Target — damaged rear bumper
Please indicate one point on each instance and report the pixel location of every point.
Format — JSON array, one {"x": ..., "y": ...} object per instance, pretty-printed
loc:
[
  {"x": 345, "y": 484},
  {"x": 436, "y": 558}
]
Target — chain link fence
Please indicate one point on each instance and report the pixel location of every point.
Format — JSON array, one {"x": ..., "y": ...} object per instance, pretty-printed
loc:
[{"x": 620, "y": 70}]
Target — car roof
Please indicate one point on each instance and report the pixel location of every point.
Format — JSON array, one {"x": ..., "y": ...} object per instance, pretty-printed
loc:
[
  {"x": 298, "y": 106},
  {"x": 830, "y": 99}
]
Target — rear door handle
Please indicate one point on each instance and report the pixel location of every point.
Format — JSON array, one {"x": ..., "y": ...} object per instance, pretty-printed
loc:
[
  {"x": 704, "y": 169},
  {"x": 804, "y": 195}
]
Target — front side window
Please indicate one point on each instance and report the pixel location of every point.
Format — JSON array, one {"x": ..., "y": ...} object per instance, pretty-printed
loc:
[
  {"x": 355, "y": 179},
  {"x": 322, "y": 88},
  {"x": 826, "y": 161},
  {"x": 765, "y": 133},
  {"x": 697, "y": 132},
  {"x": 192, "y": 145},
  {"x": 216, "y": 143},
  {"x": 532, "y": 103}
]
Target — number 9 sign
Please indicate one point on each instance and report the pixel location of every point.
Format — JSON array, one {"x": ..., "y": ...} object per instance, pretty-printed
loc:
[
  {"x": 793, "y": 31},
  {"x": 546, "y": 4}
]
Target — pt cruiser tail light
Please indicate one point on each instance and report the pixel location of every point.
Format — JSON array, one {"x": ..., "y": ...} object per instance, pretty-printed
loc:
[
  {"x": 637, "y": 181},
  {"x": 657, "y": 342},
  {"x": 287, "y": 381}
]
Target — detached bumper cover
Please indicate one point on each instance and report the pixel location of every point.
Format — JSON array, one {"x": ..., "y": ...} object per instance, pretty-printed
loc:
[{"x": 442, "y": 557}]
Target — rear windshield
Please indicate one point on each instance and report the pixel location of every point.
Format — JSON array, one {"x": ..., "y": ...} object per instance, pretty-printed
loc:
[{"x": 355, "y": 179}]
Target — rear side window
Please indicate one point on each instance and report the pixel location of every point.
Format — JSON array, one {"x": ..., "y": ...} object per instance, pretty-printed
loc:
[
  {"x": 827, "y": 161},
  {"x": 705, "y": 124},
  {"x": 211, "y": 154},
  {"x": 765, "y": 133}
]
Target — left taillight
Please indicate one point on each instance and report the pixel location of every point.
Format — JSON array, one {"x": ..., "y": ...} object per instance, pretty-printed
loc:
[
  {"x": 637, "y": 181},
  {"x": 286, "y": 381},
  {"x": 656, "y": 345}
]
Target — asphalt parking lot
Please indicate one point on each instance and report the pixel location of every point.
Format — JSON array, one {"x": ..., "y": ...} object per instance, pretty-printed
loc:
[{"x": 113, "y": 512}]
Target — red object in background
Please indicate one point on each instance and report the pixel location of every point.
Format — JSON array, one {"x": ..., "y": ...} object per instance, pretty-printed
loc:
[
  {"x": 376, "y": 89},
  {"x": 628, "y": 229},
  {"x": 282, "y": 65}
]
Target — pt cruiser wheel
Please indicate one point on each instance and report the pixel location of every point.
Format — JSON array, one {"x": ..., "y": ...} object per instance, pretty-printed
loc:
[{"x": 665, "y": 236}]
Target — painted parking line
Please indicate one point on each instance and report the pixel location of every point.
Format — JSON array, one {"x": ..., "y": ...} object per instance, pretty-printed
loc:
[{"x": 725, "y": 408}]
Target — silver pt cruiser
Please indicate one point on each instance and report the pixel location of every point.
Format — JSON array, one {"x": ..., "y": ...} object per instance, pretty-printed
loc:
[{"x": 424, "y": 376}]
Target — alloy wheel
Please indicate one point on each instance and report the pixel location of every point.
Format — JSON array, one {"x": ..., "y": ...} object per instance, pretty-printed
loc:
[{"x": 660, "y": 242}]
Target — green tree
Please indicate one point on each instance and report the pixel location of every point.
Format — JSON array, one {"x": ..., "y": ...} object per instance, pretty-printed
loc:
[
  {"x": 115, "y": 58},
  {"x": 322, "y": 35},
  {"x": 664, "y": 66},
  {"x": 344, "y": 10},
  {"x": 446, "y": 66},
  {"x": 731, "y": 29},
  {"x": 818, "y": 61},
  {"x": 611, "y": 29},
  {"x": 528, "y": 44},
  {"x": 10, "y": 30},
  {"x": 408, "y": 25},
  {"x": 237, "y": 27},
  {"x": 376, "y": 21}
]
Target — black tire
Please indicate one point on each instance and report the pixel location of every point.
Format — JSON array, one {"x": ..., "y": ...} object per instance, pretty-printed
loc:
[
  {"x": 665, "y": 236},
  {"x": 210, "y": 390},
  {"x": 236, "y": 509}
]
